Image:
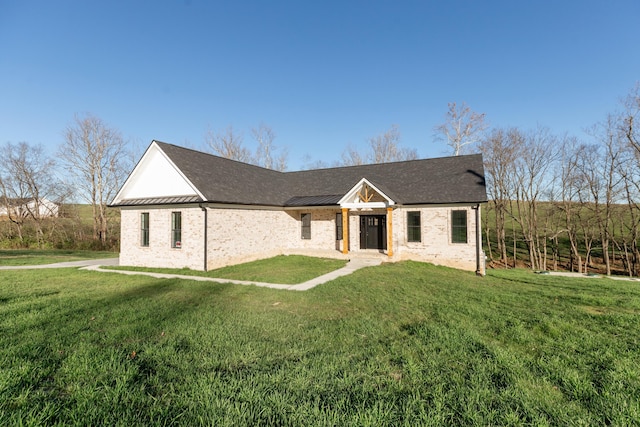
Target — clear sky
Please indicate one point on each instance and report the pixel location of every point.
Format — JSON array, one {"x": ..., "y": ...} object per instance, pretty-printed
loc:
[{"x": 322, "y": 74}]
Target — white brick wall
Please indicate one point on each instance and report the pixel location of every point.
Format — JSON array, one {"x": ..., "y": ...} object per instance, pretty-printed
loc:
[
  {"x": 159, "y": 253},
  {"x": 436, "y": 245},
  {"x": 239, "y": 235}
]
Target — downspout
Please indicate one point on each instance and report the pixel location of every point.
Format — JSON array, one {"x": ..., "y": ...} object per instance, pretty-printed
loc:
[
  {"x": 204, "y": 209},
  {"x": 479, "y": 270}
]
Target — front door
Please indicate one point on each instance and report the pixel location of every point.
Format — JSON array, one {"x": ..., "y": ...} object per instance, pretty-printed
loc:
[{"x": 373, "y": 232}]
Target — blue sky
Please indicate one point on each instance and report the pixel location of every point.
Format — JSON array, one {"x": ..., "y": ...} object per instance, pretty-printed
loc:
[{"x": 322, "y": 74}]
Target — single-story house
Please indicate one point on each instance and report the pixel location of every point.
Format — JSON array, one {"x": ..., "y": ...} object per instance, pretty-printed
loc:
[
  {"x": 185, "y": 208},
  {"x": 28, "y": 206}
]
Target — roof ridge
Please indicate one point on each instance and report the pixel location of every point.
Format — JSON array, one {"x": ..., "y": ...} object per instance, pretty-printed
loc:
[
  {"x": 396, "y": 162},
  {"x": 195, "y": 151}
]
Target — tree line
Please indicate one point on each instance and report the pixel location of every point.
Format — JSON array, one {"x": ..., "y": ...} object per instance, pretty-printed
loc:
[
  {"x": 90, "y": 166},
  {"x": 562, "y": 202},
  {"x": 556, "y": 202},
  {"x": 92, "y": 163}
]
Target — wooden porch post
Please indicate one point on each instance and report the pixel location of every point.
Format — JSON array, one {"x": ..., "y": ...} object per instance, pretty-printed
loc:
[
  {"x": 345, "y": 231},
  {"x": 390, "y": 231}
]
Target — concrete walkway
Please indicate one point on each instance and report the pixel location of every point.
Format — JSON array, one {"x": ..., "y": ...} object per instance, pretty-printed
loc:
[
  {"x": 96, "y": 264},
  {"x": 352, "y": 265}
]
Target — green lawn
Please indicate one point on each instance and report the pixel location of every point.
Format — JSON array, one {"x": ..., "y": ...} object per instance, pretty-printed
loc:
[
  {"x": 283, "y": 269},
  {"x": 398, "y": 344},
  {"x": 46, "y": 256}
]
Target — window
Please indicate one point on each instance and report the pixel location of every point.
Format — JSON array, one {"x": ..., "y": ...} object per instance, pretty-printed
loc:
[
  {"x": 305, "y": 219},
  {"x": 458, "y": 226},
  {"x": 176, "y": 230},
  {"x": 413, "y": 227},
  {"x": 144, "y": 229},
  {"x": 339, "y": 226}
]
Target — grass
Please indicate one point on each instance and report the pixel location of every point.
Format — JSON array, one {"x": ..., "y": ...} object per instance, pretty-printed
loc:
[
  {"x": 398, "y": 344},
  {"x": 45, "y": 256},
  {"x": 283, "y": 269}
]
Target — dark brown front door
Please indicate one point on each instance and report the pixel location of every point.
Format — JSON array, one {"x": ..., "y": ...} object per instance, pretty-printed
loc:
[{"x": 373, "y": 232}]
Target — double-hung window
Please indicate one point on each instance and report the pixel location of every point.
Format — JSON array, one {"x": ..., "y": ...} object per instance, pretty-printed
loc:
[
  {"x": 458, "y": 226},
  {"x": 176, "y": 230},
  {"x": 414, "y": 233},
  {"x": 339, "y": 226},
  {"x": 144, "y": 229},
  {"x": 305, "y": 220}
]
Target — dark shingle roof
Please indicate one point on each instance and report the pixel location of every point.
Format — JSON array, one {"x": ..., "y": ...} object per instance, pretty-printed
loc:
[
  {"x": 444, "y": 180},
  {"x": 430, "y": 181},
  {"x": 228, "y": 181}
]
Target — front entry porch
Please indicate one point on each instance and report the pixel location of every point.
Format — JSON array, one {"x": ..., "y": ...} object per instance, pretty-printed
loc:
[
  {"x": 375, "y": 227},
  {"x": 372, "y": 231}
]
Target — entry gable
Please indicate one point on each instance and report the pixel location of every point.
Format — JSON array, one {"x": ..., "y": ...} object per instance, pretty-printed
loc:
[
  {"x": 155, "y": 177},
  {"x": 365, "y": 195}
]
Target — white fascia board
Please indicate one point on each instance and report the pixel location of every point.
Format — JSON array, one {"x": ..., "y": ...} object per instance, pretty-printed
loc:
[{"x": 346, "y": 200}]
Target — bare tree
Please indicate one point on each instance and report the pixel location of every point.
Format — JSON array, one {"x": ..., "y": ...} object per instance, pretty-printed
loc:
[
  {"x": 267, "y": 154},
  {"x": 97, "y": 162},
  {"x": 500, "y": 150},
  {"x": 630, "y": 169},
  {"x": 310, "y": 164},
  {"x": 352, "y": 157},
  {"x": 462, "y": 128},
  {"x": 570, "y": 184},
  {"x": 386, "y": 147},
  {"x": 26, "y": 179},
  {"x": 228, "y": 144},
  {"x": 630, "y": 120},
  {"x": 383, "y": 148},
  {"x": 630, "y": 224},
  {"x": 533, "y": 180},
  {"x": 603, "y": 181}
]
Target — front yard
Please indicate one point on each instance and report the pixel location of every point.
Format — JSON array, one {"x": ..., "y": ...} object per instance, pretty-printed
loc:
[
  {"x": 399, "y": 344},
  {"x": 10, "y": 257}
]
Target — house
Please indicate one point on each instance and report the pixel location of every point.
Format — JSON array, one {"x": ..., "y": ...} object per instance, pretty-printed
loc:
[
  {"x": 28, "y": 207},
  {"x": 184, "y": 208}
]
